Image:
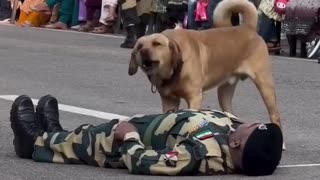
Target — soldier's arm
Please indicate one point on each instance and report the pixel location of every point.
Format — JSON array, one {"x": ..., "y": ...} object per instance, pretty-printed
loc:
[{"x": 184, "y": 158}]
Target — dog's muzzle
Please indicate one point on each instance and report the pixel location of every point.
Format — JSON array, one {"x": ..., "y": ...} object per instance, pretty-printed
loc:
[{"x": 148, "y": 64}]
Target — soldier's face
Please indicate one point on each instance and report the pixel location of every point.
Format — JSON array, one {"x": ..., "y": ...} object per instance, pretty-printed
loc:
[{"x": 237, "y": 141}]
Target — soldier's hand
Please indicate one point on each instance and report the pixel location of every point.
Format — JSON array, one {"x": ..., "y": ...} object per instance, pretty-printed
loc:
[{"x": 122, "y": 129}]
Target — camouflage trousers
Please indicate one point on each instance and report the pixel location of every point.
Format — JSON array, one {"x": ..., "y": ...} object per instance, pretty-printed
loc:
[
  {"x": 92, "y": 145},
  {"x": 129, "y": 14}
]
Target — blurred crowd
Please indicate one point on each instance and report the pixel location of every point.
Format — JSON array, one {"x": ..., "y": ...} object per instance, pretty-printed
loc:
[{"x": 298, "y": 20}]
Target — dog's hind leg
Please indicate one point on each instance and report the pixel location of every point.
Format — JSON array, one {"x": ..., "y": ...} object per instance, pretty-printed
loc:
[
  {"x": 225, "y": 95},
  {"x": 265, "y": 84}
]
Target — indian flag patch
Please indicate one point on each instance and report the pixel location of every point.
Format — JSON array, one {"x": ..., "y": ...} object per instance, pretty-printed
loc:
[{"x": 204, "y": 135}]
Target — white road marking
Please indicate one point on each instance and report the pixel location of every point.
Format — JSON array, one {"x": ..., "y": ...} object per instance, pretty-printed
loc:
[
  {"x": 76, "y": 110},
  {"x": 105, "y": 115},
  {"x": 295, "y": 59},
  {"x": 299, "y": 165}
]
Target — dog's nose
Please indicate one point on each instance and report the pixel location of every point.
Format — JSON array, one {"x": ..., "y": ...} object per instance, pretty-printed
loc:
[{"x": 144, "y": 53}]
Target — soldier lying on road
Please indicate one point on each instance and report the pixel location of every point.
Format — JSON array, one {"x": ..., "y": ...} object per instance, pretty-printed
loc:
[{"x": 186, "y": 142}]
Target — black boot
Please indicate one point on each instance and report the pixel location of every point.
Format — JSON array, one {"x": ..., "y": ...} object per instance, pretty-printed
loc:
[
  {"x": 141, "y": 30},
  {"x": 130, "y": 40},
  {"x": 25, "y": 127},
  {"x": 48, "y": 114}
]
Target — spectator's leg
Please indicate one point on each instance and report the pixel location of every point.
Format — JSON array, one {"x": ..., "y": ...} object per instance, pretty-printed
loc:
[
  {"x": 152, "y": 23},
  {"x": 278, "y": 36},
  {"x": 22, "y": 18},
  {"x": 142, "y": 26},
  {"x": 5, "y": 10},
  {"x": 192, "y": 4},
  {"x": 267, "y": 30},
  {"x": 265, "y": 27},
  {"x": 130, "y": 18},
  {"x": 161, "y": 22},
  {"x": 212, "y": 6},
  {"x": 90, "y": 10},
  {"x": 292, "y": 40},
  {"x": 36, "y": 19},
  {"x": 91, "y": 7},
  {"x": 55, "y": 14},
  {"x": 303, "y": 49},
  {"x": 82, "y": 11},
  {"x": 107, "y": 18},
  {"x": 65, "y": 13}
]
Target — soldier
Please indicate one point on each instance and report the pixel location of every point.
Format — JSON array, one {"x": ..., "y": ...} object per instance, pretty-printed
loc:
[
  {"x": 186, "y": 142},
  {"x": 135, "y": 16}
]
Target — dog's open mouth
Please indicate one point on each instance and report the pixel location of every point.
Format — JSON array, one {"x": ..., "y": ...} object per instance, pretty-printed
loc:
[{"x": 149, "y": 64}]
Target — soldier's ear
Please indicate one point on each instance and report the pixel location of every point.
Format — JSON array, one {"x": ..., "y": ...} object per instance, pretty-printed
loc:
[{"x": 234, "y": 144}]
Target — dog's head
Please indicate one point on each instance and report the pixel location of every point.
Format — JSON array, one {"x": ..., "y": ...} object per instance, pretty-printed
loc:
[{"x": 156, "y": 55}]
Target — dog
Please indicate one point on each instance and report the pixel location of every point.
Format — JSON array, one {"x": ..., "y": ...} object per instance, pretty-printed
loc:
[{"x": 183, "y": 64}]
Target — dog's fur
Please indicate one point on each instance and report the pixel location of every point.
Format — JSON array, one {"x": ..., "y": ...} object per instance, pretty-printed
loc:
[{"x": 185, "y": 63}]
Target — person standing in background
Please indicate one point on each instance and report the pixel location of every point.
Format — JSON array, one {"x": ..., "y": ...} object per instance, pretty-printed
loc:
[
  {"x": 269, "y": 19},
  {"x": 302, "y": 21},
  {"x": 159, "y": 18},
  {"x": 5, "y": 10},
  {"x": 135, "y": 18},
  {"x": 192, "y": 6},
  {"x": 30, "y": 18},
  {"x": 68, "y": 12}
]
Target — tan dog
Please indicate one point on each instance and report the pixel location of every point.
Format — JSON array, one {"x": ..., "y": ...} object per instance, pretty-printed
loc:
[{"x": 185, "y": 63}]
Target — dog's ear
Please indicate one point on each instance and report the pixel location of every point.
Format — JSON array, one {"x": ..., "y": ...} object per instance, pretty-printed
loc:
[
  {"x": 175, "y": 53},
  {"x": 133, "y": 65}
]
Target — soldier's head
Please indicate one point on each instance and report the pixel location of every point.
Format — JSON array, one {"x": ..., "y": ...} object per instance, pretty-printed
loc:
[{"x": 256, "y": 148}]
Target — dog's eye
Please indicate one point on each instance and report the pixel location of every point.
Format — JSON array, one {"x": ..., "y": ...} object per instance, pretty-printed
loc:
[{"x": 155, "y": 43}]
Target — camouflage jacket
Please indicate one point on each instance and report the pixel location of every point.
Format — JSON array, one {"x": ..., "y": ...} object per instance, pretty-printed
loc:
[
  {"x": 159, "y": 6},
  {"x": 181, "y": 143}
]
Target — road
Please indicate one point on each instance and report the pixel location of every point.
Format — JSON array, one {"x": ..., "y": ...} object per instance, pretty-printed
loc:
[{"x": 90, "y": 71}]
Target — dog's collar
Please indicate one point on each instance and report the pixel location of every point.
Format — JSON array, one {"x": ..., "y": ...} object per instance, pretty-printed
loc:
[
  {"x": 174, "y": 76},
  {"x": 171, "y": 80}
]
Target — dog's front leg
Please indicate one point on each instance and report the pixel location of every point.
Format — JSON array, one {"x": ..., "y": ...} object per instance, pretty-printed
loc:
[
  {"x": 225, "y": 95},
  {"x": 170, "y": 103},
  {"x": 194, "y": 101}
]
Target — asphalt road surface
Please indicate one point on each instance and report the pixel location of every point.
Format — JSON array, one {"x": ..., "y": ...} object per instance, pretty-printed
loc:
[{"x": 90, "y": 71}]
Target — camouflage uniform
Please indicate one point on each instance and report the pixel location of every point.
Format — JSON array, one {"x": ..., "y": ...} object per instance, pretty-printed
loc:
[
  {"x": 133, "y": 11},
  {"x": 181, "y": 143}
]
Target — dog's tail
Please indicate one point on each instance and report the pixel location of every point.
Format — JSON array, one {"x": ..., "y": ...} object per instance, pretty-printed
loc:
[{"x": 225, "y": 9}]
